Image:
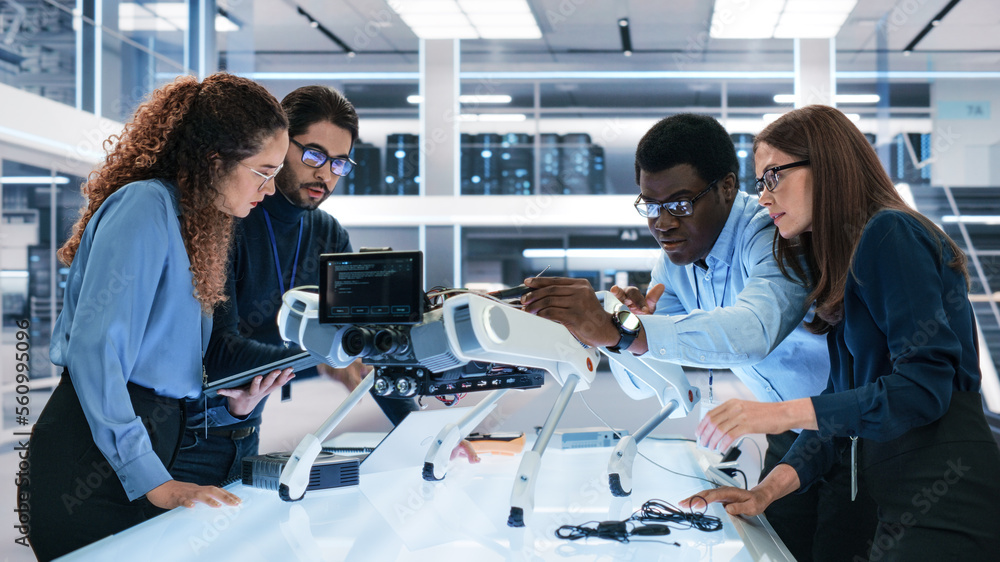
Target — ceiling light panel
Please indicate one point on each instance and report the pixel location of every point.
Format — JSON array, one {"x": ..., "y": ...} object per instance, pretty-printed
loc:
[
  {"x": 489, "y": 20},
  {"x": 450, "y": 32},
  {"x": 494, "y": 7},
  {"x": 468, "y": 19},
  {"x": 406, "y": 7},
  {"x": 806, "y": 31},
  {"x": 824, "y": 7},
  {"x": 762, "y": 19},
  {"x": 437, "y": 20}
]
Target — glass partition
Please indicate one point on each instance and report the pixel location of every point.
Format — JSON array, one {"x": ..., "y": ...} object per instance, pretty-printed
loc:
[{"x": 39, "y": 210}]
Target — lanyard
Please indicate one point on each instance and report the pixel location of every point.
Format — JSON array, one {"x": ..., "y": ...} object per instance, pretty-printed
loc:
[
  {"x": 274, "y": 247},
  {"x": 697, "y": 298}
]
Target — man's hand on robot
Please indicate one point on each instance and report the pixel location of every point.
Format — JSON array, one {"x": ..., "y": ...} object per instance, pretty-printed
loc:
[
  {"x": 572, "y": 303},
  {"x": 637, "y": 302}
]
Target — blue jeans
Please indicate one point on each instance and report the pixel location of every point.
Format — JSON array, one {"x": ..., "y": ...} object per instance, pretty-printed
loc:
[
  {"x": 214, "y": 460},
  {"x": 217, "y": 460}
]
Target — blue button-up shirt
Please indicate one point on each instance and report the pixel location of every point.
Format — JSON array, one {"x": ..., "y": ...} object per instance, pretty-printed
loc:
[
  {"x": 741, "y": 313},
  {"x": 130, "y": 315}
]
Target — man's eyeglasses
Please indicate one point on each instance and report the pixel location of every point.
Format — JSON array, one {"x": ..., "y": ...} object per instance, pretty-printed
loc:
[
  {"x": 770, "y": 177},
  {"x": 266, "y": 177},
  {"x": 313, "y": 158},
  {"x": 681, "y": 208}
]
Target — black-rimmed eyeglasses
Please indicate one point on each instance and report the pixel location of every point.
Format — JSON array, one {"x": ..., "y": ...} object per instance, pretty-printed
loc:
[
  {"x": 681, "y": 208},
  {"x": 770, "y": 177},
  {"x": 313, "y": 158},
  {"x": 266, "y": 177}
]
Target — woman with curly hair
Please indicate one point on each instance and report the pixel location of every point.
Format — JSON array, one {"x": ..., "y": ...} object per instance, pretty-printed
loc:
[
  {"x": 891, "y": 294},
  {"x": 147, "y": 267}
]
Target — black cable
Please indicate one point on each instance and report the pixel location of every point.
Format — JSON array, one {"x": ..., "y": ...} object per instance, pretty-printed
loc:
[
  {"x": 661, "y": 511},
  {"x": 654, "y": 518},
  {"x": 746, "y": 483},
  {"x": 619, "y": 531}
]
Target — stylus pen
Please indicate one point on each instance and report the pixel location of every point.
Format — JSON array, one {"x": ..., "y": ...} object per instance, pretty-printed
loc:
[{"x": 516, "y": 292}]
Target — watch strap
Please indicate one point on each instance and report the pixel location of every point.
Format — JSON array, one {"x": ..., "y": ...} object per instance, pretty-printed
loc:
[{"x": 625, "y": 340}]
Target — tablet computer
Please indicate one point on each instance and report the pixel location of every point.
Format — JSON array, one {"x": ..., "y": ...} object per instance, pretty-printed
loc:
[{"x": 297, "y": 362}]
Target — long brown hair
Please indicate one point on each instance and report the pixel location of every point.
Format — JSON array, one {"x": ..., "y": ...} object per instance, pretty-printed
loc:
[
  {"x": 175, "y": 135},
  {"x": 849, "y": 187}
]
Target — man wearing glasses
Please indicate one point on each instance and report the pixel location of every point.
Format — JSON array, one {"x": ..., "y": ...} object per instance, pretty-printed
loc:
[
  {"x": 719, "y": 300},
  {"x": 277, "y": 247}
]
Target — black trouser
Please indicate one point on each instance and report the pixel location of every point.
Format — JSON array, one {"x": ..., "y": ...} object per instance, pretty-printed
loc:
[
  {"x": 937, "y": 488},
  {"x": 821, "y": 523},
  {"x": 75, "y": 496}
]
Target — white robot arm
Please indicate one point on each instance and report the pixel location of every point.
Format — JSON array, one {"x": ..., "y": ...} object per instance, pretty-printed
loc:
[
  {"x": 640, "y": 378},
  {"x": 467, "y": 328}
]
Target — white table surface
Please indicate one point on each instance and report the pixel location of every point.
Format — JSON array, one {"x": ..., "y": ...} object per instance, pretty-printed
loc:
[{"x": 396, "y": 515}]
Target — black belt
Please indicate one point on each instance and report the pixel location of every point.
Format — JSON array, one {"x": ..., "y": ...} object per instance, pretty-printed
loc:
[{"x": 234, "y": 434}]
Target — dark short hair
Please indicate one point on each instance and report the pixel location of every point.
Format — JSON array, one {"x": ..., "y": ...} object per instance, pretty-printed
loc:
[
  {"x": 312, "y": 104},
  {"x": 687, "y": 138}
]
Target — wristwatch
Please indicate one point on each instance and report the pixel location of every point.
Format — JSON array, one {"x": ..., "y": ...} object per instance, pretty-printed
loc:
[{"x": 628, "y": 328}]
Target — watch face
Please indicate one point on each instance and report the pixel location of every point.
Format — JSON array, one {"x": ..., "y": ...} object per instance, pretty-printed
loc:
[{"x": 628, "y": 321}]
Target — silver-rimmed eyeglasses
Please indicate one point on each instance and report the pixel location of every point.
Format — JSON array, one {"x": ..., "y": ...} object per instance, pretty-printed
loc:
[
  {"x": 266, "y": 177},
  {"x": 679, "y": 208}
]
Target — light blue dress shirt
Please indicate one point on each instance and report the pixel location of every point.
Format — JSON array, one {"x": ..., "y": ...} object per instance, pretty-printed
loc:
[
  {"x": 741, "y": 313},
  {"x": 130, "y": 315}
]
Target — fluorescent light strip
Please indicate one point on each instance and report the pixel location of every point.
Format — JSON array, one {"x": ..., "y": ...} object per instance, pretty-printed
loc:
[
  {"x": 493, "y": 117},
  {"x": 611, "y": 75},
  {"x": 14, "y": 274},
  {"x": 991, "y": 220},
  {"x": 360, "y": 76},
  {"x": 917, "y": 74},
  {"x": 485, "y": 98},
  {"x": 163, "y": 16},
  {"x": 34, "y": 180},
  {"x": 838, "y": 98},
  {"x": 543, "y": 76},
  {"x": 498, "y": 98},
  {"x": 81, "y": 154},
  {"x": 600, "y": 253},
  {"x": 632, "y": 75},
  {"x": 769, "y": 117}
]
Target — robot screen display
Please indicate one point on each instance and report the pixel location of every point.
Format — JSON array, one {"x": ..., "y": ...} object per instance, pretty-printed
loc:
[{"x": 372, "y": 288}]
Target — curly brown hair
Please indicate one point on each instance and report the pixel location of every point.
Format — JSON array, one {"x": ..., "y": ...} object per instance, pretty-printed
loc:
[{"x": 176, "y": 135}]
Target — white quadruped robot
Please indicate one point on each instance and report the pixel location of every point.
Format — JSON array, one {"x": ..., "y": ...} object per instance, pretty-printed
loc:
[{"x": 470, "y": 342}]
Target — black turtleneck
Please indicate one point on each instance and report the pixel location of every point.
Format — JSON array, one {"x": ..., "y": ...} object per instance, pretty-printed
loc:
[
  {"x": 251, "y": 313},
  {"x": 245, "y": 332}
]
